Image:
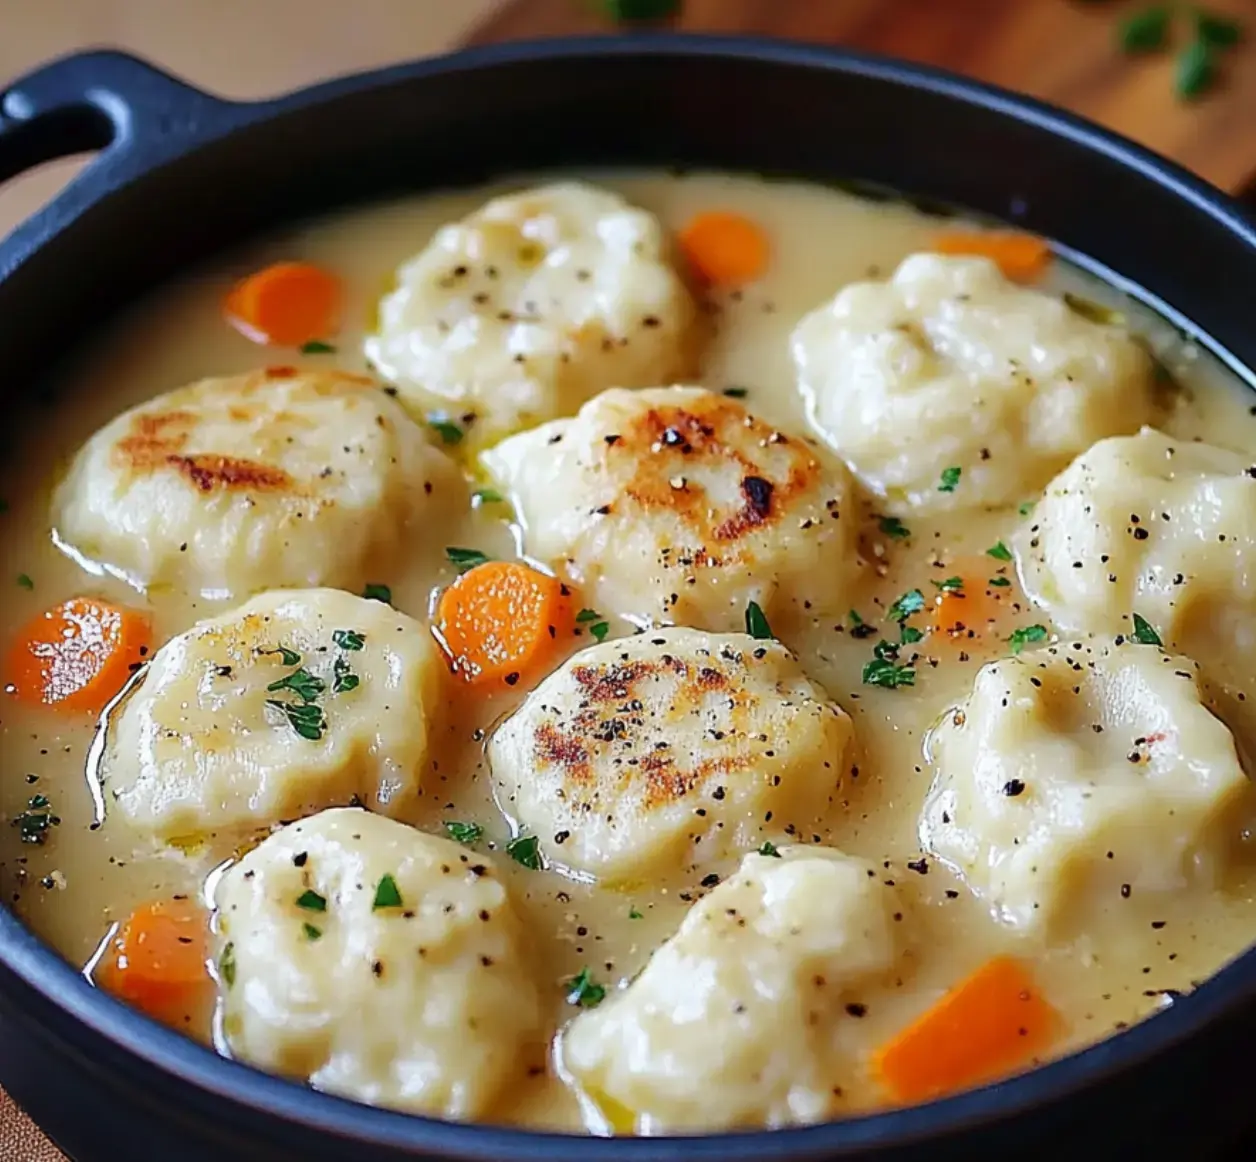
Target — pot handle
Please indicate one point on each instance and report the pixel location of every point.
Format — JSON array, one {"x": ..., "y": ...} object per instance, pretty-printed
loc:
[{"x": 134, "y": 114}]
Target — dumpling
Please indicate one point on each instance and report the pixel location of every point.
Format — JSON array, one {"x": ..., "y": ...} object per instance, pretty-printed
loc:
[
  {"x": 278, "y": 477},
  {"x": 736, "y": 1021},
  {"x": 951, "y": 366},
  {"x": 1077, "y": 774},
  {"x": 533, "y": 304},
  {"x": 1149, "y": 524},
  {"x": 675, "y": 505},
  {"x": 642, "y": 757},
  {"x": 377, "y": 963},
  {"x": 298, "y": 700}
]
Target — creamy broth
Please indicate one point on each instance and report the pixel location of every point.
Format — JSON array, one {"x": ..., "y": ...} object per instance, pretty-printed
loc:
[{"x": 1114, "y": 966}]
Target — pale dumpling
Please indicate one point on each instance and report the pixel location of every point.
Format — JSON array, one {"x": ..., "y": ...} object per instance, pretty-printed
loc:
[
  {"x": 296, "y": 701},
  {"x": 736, "y": 1021},
  {"x": 1075, "y": 775},
  {"x": 378, "y": 963},
  {"x": 534, "y": 303},
  {"x": 274, "y": 478},
  {"x": 1151, "y": 525},
  {"x": 947, "y": 366},
  {"x": 642, "y": 757},
  {"x": 676, "y": 505}
]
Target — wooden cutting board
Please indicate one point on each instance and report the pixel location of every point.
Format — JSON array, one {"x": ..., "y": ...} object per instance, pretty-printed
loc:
[{"x": 1062, "y": 51}]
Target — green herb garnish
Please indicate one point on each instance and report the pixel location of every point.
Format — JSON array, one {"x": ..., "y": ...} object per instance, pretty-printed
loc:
[
  {"x": 464, "y": 559},
  {"x": 999, "y": 582},
  {"x": 305, "y": 718},
  {"x": 286, "y": 656},
  {"x": 633, "y": 914},
  {"x": 488, "y": 496},
  {"x": 757, "y": 623},
  {"x": 317, "y": 347},
  {"x": 386, "y": 894},
  {"x": 769, "y": 849},
  {"x": 311, "y": 901},
  {"x": 34, "y": 823},
  {"x": 1145, "y": 31},
  {"x": 227, "y": 965},
  {"x": 343, "y": 678},
  {"x": 890, "y": 675},
  {"x": 736, "y": 392},
  {"x": 302, "y": 683},
  {"x": 1022, "y": 637},
  {"x": 449, "y": 432},
  {"x": 999, "y": 551},
  {"x": 950, "y": 478},
  {"x": 311, "y": 933},
  {"x": 526, "y": 849},
  {"x": 1217, "y": 30},
  {"x": 467, "y": 833},
  {"x": 584, "y": 991},
  {"x": 349, "y": 639},
  {"x": 24, "y": 581},
  {"x": 950, "y": 585},
  {"x": 909, "y": 635},
  {"x": 1196, "y": 70},
  {"x": 1144, "y": 634},
  {"x": 600, "y": 629},
  {"x": 913, "y": 601},
  {"x": 373, "y": 592},
  {"x": 1026, "y": 507},
  {"x": 891, "y": 526}
]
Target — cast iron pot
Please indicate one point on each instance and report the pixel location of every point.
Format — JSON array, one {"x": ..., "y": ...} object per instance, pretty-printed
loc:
[{"x": 182, "y": 174}]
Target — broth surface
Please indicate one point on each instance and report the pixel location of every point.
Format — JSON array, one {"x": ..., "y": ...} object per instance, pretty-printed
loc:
[{"x": 1119, "y": 965}]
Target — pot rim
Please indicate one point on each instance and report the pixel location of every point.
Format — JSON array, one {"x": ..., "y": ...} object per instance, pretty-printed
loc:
[{"x": 43, "y": 970}]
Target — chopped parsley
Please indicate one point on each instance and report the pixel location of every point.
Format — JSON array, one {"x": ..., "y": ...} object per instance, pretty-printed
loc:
[
  {"x": 1144, "y": 634},
  {"x": 449, "y": 432},
  {"x": 1196, "y": 69},
  {"x": 1217, "y": 30},
  {"x": 889, "y": 674},
  {"x": 488, "y": 496},
  {"x": 317, "y": 347},
  {"x": 769, "y": 849},
  {"x": 349, "y": 639},
  {"x": 311, "y": 933},
  {"x": 1151, "y": 29},
  {"x": 386, "y": 894},
  {"x": 999, "y": 582},
  {"x": 913, "y": 601},
  {"x": 464, "y": 559},
  {"x": 600, "y": 627},
  {"x": 950, "y": 585},
  {"x": 1145, "y": 31},
  {"x": 950, "y": 478},
  {"x": 286, "y": 656},
  {"x": 1026, "y": 507},
  {"x": 633, "y": 914},
  {"x": 584, "y": 991},
  {"x": 306, "y": 718},
  {"x": 227, "y": 965},
  {"x": 311, "y": 901},
  {"x": 374, "y": 592},
  {"x": 1029, "y": 633},
  {"x": 891, "y": 526},
  {"x": 757, "y": 623},
  {"x": 909, "y": 634},
  {"x": 24, "y": 581},
  {"x": 302, "y": 683},
  {"x": 736, "y": 392},
  {"x": 859, "y": 628},
  {"x": 525, "y": 849},
  {"x": 34, "y": 823},
  {"x": 999, "y": 551},
  {"x": 467, "y": 833},
  {"x": 343, "y": 678}
]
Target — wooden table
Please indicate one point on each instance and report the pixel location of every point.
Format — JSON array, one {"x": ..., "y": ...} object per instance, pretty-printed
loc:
[{"x": 1063, "y": 51}]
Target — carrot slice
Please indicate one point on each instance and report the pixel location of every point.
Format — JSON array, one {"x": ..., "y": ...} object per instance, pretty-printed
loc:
[
  {"x": 285, "y": 305},
  {"x": 501, "y": 621},
  {"x": 159, "y": 960},
  {"x": 77, "y": 655},
  {"x": 1021, "y": 257},
  {"x": 726, "y": 249},
  {"x": 988, "y": 1026},
  {"x": 973, "y": 608}
]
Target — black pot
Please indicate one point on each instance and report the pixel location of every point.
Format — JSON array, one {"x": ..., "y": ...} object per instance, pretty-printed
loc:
[{"x": 182, "y": 174}]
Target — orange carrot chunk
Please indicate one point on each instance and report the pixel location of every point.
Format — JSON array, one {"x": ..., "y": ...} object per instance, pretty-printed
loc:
[
  {"x": 1021, "y": 257},
  {"x": 285, "y": 305},
  {"x": 988, "y": 1026},
  {"x": 158, "y": 961},
  {"x": 726, "y": 249},
  {"x": 77, "y": 655},
  {"x": 501, "y": 623}
]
